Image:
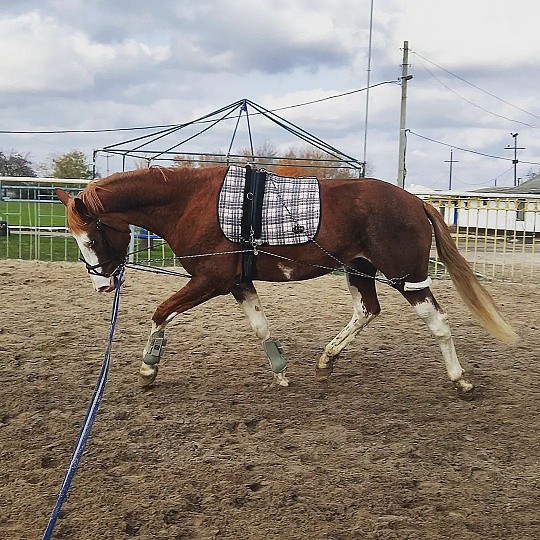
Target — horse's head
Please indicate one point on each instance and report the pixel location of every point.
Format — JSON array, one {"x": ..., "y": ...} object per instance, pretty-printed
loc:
[{"x": 102, "y": 242}]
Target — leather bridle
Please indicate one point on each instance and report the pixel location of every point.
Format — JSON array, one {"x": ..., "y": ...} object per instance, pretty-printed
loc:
[{"x": 92, "y": 269}]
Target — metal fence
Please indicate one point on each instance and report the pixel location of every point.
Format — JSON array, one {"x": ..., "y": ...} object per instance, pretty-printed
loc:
[
  {"x": 33, "y": 224},
  {"x": 499, "y": 234}
]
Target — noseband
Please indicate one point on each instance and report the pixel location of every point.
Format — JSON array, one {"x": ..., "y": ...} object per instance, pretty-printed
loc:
[{"x": 92, "y": 268}]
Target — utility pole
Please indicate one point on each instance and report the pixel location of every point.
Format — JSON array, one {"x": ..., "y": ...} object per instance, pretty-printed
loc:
[
  {"x": 405, "y": 77},
  {"x": 515, "y": 160},
  {"x": 451, "y": 161}
]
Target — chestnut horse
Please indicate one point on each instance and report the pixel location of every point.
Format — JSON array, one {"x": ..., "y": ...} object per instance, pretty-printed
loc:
[{"x": 365, "y": 226}]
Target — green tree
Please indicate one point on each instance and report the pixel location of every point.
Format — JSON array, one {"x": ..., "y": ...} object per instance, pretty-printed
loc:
[
  {"x": 71, "y": 165},
  {"x": 16, "y": 165}
]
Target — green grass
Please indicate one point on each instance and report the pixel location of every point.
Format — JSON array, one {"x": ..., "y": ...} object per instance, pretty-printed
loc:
[
  {"x": 31, "y": 247},
  {"x": 33, "y": 214},
  {"x": 59, "y": 248},
  {"x": 49, "y": 248}
]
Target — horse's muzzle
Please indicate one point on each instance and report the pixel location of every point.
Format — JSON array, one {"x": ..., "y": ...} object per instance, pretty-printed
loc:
[
  {"x": 105, "y": 284},
  {"x": 109, "y": 288}
]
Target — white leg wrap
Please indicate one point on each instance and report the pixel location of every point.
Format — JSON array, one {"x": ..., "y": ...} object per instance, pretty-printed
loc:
[{"x": 408, "y": 286}]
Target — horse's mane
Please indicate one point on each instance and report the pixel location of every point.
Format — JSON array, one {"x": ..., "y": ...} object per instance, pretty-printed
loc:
[
  {"x": 93, "y": 194},
  {"x": 90, "y": 197}
]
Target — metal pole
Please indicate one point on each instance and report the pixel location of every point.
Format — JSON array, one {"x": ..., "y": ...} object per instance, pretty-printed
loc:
[
  {"x": 451, "y": 161},
  {"x": 515, "y": 161},
  {"x": 368, "y": 83},
  {"x": 405, "y": 77},
  {"x": 94, "y": 154}
]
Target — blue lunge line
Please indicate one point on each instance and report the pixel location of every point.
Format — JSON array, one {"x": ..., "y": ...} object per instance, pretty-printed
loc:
[{"x": 90, "y": 415}]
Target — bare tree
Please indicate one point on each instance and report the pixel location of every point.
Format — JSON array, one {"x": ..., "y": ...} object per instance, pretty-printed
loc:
[{"x": 313, "y": 162}]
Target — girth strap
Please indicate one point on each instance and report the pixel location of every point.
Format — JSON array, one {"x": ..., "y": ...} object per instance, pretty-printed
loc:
[{"x": 251, "y": 227}]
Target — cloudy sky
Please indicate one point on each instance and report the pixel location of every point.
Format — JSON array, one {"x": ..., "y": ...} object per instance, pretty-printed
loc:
[{"x": 108, "y": 64}]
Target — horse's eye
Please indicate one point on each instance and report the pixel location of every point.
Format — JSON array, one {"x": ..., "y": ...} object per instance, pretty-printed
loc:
[{"x": 89, "y": 244}]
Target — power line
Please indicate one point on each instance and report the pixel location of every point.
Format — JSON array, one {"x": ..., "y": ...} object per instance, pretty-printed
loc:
[
  {"x": 477, "y": 87},
  {"x": 490, "y": 181},
  {"x": 336, "y": 96},
  {"x": 472, "y": 102},
  {"x": 167, "y": 126},
  {"x": 468, "y": 149}
]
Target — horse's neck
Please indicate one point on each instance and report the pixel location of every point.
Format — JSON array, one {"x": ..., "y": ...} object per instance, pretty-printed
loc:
[{"x": 136, "y": 195}]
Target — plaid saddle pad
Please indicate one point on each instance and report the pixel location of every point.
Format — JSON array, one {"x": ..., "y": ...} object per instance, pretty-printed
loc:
[{"x": 291, "y": 208}]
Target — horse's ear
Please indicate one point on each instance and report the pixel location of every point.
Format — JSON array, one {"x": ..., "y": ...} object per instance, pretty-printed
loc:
[
  {"x": 81, "y": 208},
  {"x": 62, "y": 195}
]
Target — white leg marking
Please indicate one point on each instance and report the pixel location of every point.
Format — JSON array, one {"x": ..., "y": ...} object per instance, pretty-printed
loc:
[
  {"x": 360, "y": 319},
  {"x": 437, "y": 322},
  {"x": 252, "y": 307},
  {"x": 167, "y": 321}
]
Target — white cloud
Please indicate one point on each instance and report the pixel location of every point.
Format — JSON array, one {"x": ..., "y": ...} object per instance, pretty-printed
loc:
[
  {"x": 41, "y": 54},
  {"x": 461, "y": 33},
  {"x": 71, "y": 64}
]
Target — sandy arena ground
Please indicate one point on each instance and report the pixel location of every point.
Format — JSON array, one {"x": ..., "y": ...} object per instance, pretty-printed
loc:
[{"x": 384, "y": 450}]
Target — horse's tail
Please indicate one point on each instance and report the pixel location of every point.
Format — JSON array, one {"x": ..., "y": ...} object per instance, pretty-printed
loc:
[{"x": 473, "y": 294}]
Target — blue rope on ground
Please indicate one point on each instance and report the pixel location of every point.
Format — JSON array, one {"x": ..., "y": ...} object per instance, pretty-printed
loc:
[{"x": 90, "y": 415}]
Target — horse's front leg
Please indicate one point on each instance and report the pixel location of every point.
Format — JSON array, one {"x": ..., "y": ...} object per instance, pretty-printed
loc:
[
  {"x": 195, "y": 292},
  {"x": 248, "y": 299},
  {"x": 152, "y": 354}
]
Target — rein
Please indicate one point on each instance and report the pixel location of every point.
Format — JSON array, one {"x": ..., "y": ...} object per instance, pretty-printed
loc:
[{"x": 84, "y": 432}]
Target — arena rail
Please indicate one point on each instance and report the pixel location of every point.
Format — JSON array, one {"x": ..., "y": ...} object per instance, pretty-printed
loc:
[
  {"x": 33, "y": 224},
  {"x": 498, "y": 233}
]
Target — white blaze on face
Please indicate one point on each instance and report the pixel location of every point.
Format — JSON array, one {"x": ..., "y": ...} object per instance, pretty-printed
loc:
[{"x": 99, "y": 282}]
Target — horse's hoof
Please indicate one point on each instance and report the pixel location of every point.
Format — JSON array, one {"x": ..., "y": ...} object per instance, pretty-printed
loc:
[
  {"x": 280, "y": 379},
  {"x": 465, "y": 389},
  {"x": 322, "y": 373},
  {"x": 147, "y": 375}
]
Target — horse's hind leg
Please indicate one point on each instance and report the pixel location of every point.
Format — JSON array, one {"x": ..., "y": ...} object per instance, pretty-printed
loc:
[
  {"x": 366, "y": 308},
  {"x": 248, "y": 299},
  {"x": 431, "y": 313}
]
